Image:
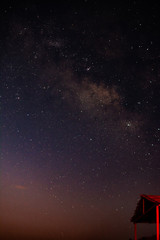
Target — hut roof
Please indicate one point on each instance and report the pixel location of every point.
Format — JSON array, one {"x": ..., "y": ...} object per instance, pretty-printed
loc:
[{"x": 145, "y": 211}]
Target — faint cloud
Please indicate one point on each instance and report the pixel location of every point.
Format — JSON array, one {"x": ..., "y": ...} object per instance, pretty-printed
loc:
[{"x": 20, "y": 187}]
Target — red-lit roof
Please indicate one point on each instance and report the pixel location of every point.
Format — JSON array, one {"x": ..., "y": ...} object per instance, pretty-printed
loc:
[
  {"x": 153, "y": 198},
  {"x": 145, "y": 211}
]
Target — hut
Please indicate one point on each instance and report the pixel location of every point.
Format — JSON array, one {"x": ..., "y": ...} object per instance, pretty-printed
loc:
[{"x": 147, "y": 211}]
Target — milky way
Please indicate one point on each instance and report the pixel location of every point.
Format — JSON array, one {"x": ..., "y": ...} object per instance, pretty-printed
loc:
[{"x": 80, "y": 119}]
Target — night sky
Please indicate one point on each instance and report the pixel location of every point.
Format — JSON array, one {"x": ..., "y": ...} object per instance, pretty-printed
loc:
[{"x": 80, "y": 117}]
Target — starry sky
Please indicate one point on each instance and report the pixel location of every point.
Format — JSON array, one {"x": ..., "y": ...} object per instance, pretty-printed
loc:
[{"x": 80, "y": 117}]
